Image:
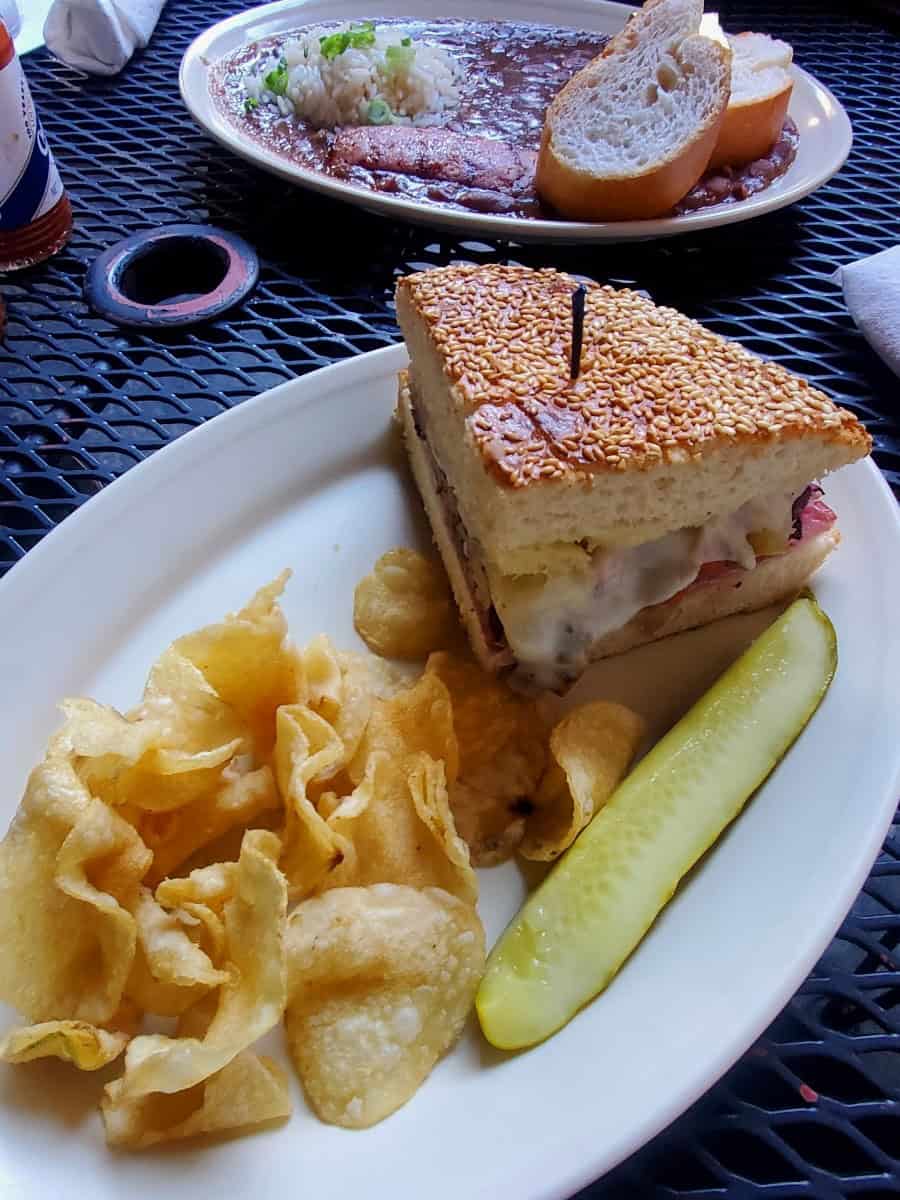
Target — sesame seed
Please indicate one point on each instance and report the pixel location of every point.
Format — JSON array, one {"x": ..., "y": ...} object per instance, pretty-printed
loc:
[{"x": 654, "y": 385}]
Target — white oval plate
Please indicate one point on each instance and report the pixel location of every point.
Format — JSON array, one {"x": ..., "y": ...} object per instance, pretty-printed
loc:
[
  {"x": 308, "y": 476},
  {"x": 825, "y": 133}
]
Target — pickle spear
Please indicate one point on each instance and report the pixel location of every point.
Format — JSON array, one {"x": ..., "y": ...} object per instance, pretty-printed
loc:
[{"x": 575, "y": 930}]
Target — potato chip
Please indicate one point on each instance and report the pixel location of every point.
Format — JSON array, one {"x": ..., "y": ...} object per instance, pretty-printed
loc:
[
  {"x": 399, "y": 824},
  {"x": 307, "y": 750},
  {"x": 210, "y": 886},
  {"x": 127, "y": 1018},
  {"x": 502, "y": 743},
  {"x": 490, "y": 828},
  {"x": 340, "y": 689},
  {"x": 242, "y": 795},
  {"x": 150, "y": 995},
  {"x": 356, "y": 700},
  {"x": 95, "y": 730},
  {"x": 382, "y": 678},
  {"x": 77, "y": 1042},
  {"x": 592, "y": 748},
  {"x": 67, "y": 865},
  {"x": 102, "y": 861},
  {"x": 198, "y": 901},
  {"x": 250, "y": 1090},
  {"x": 416, "y": 719},
  {"x": 179, "y": 697},
  {"x": 249, "y": 663},
  {"x": 170, "y": 972},
  {"x": 403, "y": 608},
  {"x": 164, "y": 780},
  {"x": 195, "y": 1021},
  {"x": 428, "y": 787},
  {"x": 250, "y": 1003},
  {"x": 146, "y": 762},
  {"x": 381, "y": 981}
]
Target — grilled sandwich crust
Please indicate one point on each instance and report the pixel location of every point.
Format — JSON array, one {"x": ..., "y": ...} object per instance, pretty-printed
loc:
[
  {"x": 654, "y": 385},
  {"x": 666, "y": 424}
]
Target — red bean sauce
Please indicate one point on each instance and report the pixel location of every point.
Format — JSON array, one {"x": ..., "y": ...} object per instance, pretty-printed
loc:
[{"x": 510, "y": 73}]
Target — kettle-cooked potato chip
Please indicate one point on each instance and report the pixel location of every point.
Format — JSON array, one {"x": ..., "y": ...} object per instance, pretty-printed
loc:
[
  {"x": 350, "y": 758},
  {"x": 399, "y": 823},
  {"x": 144, "y": 762},
  {"x": 151, "y": 995},
  {"x": 198, "y": 900},
  {"x": 170, "y": 972},
  {"x": 93, "y": 730},
  {"x": 492, "y": 828},
  {"x": 250, "y": 1090},
  {"x": 249, "y": 662},
  {"x": 66, "y": 866},
  {"x": 210, "y": 886},
  {"x": 307, "y": 750},
  {"x": 415, "y": 719},
  {"x": 337, "y": 687},
  {"x": 502, "y": 755},
  {"x": 77, "y": 1042},
  {"x": 180, "y": 698},
  {"x": 381, "y": 981},
  {"x": 243, "y": 795},
  {"x": 403, "y": 608},
  {"x": 592, "y": 748},
  {"x": 381, "y": 677},
  {"x": 250, "y": 1003}
]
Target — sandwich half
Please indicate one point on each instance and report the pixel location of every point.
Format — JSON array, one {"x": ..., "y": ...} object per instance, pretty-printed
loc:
[{"x": 671, "y": 483}]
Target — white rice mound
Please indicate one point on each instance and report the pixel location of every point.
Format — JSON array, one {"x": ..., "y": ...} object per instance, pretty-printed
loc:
[{"x": 339, "y": 91}]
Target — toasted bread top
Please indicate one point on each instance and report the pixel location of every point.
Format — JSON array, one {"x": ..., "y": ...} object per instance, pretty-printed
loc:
[{"x": 654, "y": 387}]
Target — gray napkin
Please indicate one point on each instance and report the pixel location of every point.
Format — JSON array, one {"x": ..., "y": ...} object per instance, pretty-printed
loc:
[{"x": 872, "y": 292}]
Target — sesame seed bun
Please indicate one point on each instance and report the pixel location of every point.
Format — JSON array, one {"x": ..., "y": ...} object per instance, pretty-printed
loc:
[{"x": 667, "y": 425}]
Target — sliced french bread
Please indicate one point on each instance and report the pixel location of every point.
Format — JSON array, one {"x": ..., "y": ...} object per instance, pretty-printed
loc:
[
  {"x": 631, "y": 133},
  {"x": 761, "y": 85}
]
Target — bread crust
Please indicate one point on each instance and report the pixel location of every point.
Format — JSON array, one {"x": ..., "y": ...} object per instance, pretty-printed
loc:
[
  {"x": 641, "y": 195},
  {"x": 749, "y": 131},
  {"x": 579, "y": 196},
  {"x": 491, "y": 658},
  {"x": 655, "y": 386}
]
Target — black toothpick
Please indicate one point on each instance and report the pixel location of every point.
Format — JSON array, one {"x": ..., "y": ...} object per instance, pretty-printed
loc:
[{"x": 578, "y": 298}]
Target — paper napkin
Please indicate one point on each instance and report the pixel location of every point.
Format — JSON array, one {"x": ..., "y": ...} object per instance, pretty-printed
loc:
[
  {"x": 100, "y": 36},
  {"x": 872, "y": 292}
]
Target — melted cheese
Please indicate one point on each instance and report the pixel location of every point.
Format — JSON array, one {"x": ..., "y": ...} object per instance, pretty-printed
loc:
[{"x": 551, "y": 622}]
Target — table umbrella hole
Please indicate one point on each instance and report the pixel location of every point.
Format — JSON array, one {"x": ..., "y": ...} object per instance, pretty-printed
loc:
[
  {"x": 172, "y": 275},
  {"x": 173, "y": 271}
]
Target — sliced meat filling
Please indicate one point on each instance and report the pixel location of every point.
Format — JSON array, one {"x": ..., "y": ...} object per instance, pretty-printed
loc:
[
  {"x": 545, "y": 625},
  {"x": 552, "y": 621}
]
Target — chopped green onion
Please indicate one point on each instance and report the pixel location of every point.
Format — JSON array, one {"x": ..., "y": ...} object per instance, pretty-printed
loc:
[
  {"x": 379, "y": 112},
  {"x": 250, "y": 103},
  {"x": 357, "y": 37},
  {"x": 277, "y": 81},
  {"x": 399, "y": 58},
  {"x": 407, "y": 41}
]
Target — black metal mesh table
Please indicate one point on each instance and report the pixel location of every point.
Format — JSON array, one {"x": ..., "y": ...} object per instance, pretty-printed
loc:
[{"x": 814, "y": 1108}]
